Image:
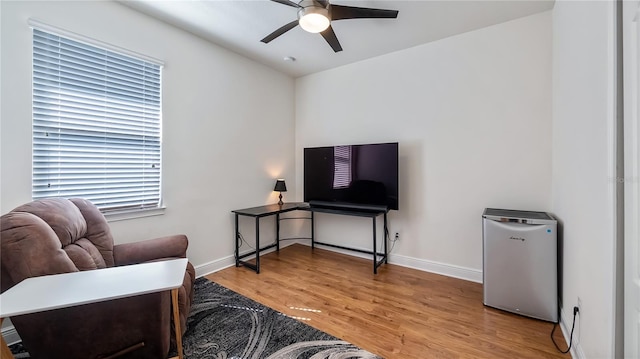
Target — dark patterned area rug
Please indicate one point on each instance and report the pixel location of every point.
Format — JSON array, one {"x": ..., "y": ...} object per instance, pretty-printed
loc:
[{"x": 224, "y": 324}]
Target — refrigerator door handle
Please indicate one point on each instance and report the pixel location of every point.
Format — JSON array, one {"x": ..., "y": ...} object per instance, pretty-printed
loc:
[
  {"x": 518, "y": 226},
  {"x": 512, "y": 220}
]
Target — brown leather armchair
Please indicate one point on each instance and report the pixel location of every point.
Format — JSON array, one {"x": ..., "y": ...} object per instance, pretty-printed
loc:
[{"x": 56, "y": 235}]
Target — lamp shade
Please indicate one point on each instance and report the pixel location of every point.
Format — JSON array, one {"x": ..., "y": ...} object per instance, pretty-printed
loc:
[{"x": 280, "y": 186}]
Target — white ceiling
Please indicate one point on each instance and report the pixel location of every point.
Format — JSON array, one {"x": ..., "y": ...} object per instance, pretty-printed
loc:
[{"x": 239, "y": 25}]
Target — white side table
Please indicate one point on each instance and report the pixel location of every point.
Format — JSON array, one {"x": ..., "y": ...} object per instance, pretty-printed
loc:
[{"x": 38, "y": 294}]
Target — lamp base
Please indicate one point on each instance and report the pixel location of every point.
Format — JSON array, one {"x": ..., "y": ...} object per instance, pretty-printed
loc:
[{"x": 280, "y": 203}]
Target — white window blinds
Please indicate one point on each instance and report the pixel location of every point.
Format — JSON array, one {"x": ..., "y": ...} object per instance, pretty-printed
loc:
[{"x": 96, "y": 124}]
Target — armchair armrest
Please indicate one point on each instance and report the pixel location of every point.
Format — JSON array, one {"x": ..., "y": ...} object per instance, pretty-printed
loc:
[{"x": 152, "y": 249}]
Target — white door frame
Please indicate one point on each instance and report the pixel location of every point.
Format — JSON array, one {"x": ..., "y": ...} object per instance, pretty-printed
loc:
[{"x": 631, "y": 60}]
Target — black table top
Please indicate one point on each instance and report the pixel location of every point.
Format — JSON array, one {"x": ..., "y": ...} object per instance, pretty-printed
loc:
[{"x": 271, "y": 209}]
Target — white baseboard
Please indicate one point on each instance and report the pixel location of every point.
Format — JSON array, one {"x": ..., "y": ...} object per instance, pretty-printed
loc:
[
  {"x": 215, "y": 266},
  {"x": 449, "y": 270},
  {"x": 565, "y": 325}
]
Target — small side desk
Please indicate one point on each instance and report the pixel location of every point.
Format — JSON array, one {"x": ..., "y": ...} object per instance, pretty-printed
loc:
[
  {"x": 38, "y": 294},
  {"x": 275, "y": 209},
  {"x": 257, "y": 213}
]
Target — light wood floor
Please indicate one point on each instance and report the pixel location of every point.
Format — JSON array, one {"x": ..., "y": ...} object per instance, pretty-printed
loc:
[{"x": 398, "y": 313}]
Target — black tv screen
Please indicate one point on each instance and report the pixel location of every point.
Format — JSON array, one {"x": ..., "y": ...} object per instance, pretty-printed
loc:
[{"x": 352, "y": 174}]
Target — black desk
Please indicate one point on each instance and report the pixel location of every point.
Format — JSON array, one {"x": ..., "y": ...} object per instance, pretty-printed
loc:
[
  {"x": 257, "y": 213},
  {"x": 275, "y": 209}
]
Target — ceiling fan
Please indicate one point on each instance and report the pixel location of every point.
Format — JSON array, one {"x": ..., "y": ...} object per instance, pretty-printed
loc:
[{"x": 315, "y": 16}]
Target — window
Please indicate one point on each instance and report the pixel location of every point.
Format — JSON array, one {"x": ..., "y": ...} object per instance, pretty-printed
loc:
[{"x": 96, "y": 124}]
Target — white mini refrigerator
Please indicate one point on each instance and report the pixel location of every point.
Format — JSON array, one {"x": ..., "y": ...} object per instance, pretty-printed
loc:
[{"x": 520, "y": 264}]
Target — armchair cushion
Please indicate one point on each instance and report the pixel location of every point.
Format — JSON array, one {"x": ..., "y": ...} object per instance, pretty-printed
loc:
[
  {"x": 30, "y": 248},
  {"x": 98, "y": 232}
]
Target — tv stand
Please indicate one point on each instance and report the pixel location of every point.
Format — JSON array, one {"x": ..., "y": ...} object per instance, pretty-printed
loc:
[{"x": 372, "y": 212}]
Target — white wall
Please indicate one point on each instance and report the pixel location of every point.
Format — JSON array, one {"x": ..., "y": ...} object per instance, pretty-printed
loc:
[
  {"x": 472, "y": 115},
  {"x": 228, "y": 122},
  {"x": 584, "y": 167}
]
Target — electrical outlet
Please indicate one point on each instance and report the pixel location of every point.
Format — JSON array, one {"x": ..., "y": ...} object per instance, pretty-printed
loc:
[
  {"x": 397, "y": 236},
  {"x": 579, "y": 305}
]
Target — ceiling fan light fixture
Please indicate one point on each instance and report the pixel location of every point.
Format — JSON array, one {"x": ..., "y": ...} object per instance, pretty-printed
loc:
[{"x": 313, "y": 19}]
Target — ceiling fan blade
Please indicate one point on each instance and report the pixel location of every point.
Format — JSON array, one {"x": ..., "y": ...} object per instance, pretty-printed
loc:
[
  {"x": 324, "y": 3},
  {"x": 280, "y": 31},
  {"x": 339, "y": 12},
  {"x": 332, "y": 39},
  {"x": 287, "y": 2}
]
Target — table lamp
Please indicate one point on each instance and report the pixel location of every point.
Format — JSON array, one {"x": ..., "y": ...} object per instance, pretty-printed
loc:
[{"x": 280, "y": 187}]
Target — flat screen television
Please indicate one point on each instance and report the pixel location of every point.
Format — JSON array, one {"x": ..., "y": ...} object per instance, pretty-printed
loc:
[{"x": 359, "y": 176}]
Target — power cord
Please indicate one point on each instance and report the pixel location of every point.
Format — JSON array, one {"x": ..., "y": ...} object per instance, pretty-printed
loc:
[
  {"x": 576, "y": 310},
  {"x": 242, "y": 241},
  {"x": 393, "y": 241},
  {"x": 387, "y": 237}
]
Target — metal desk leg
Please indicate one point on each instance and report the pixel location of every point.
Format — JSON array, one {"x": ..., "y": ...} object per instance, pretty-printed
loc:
[
  {"x": 278, "y": 232},
  {"x": 312, "y": 233},
  {"x": 375, "y": 250},
  {"x": 258, "y": 245},
  {"x": 384, "y": 236},
  {"x": 237, "y": 243}
]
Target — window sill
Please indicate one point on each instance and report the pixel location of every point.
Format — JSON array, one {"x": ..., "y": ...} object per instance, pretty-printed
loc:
[{"x": 133, "y": 213}]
